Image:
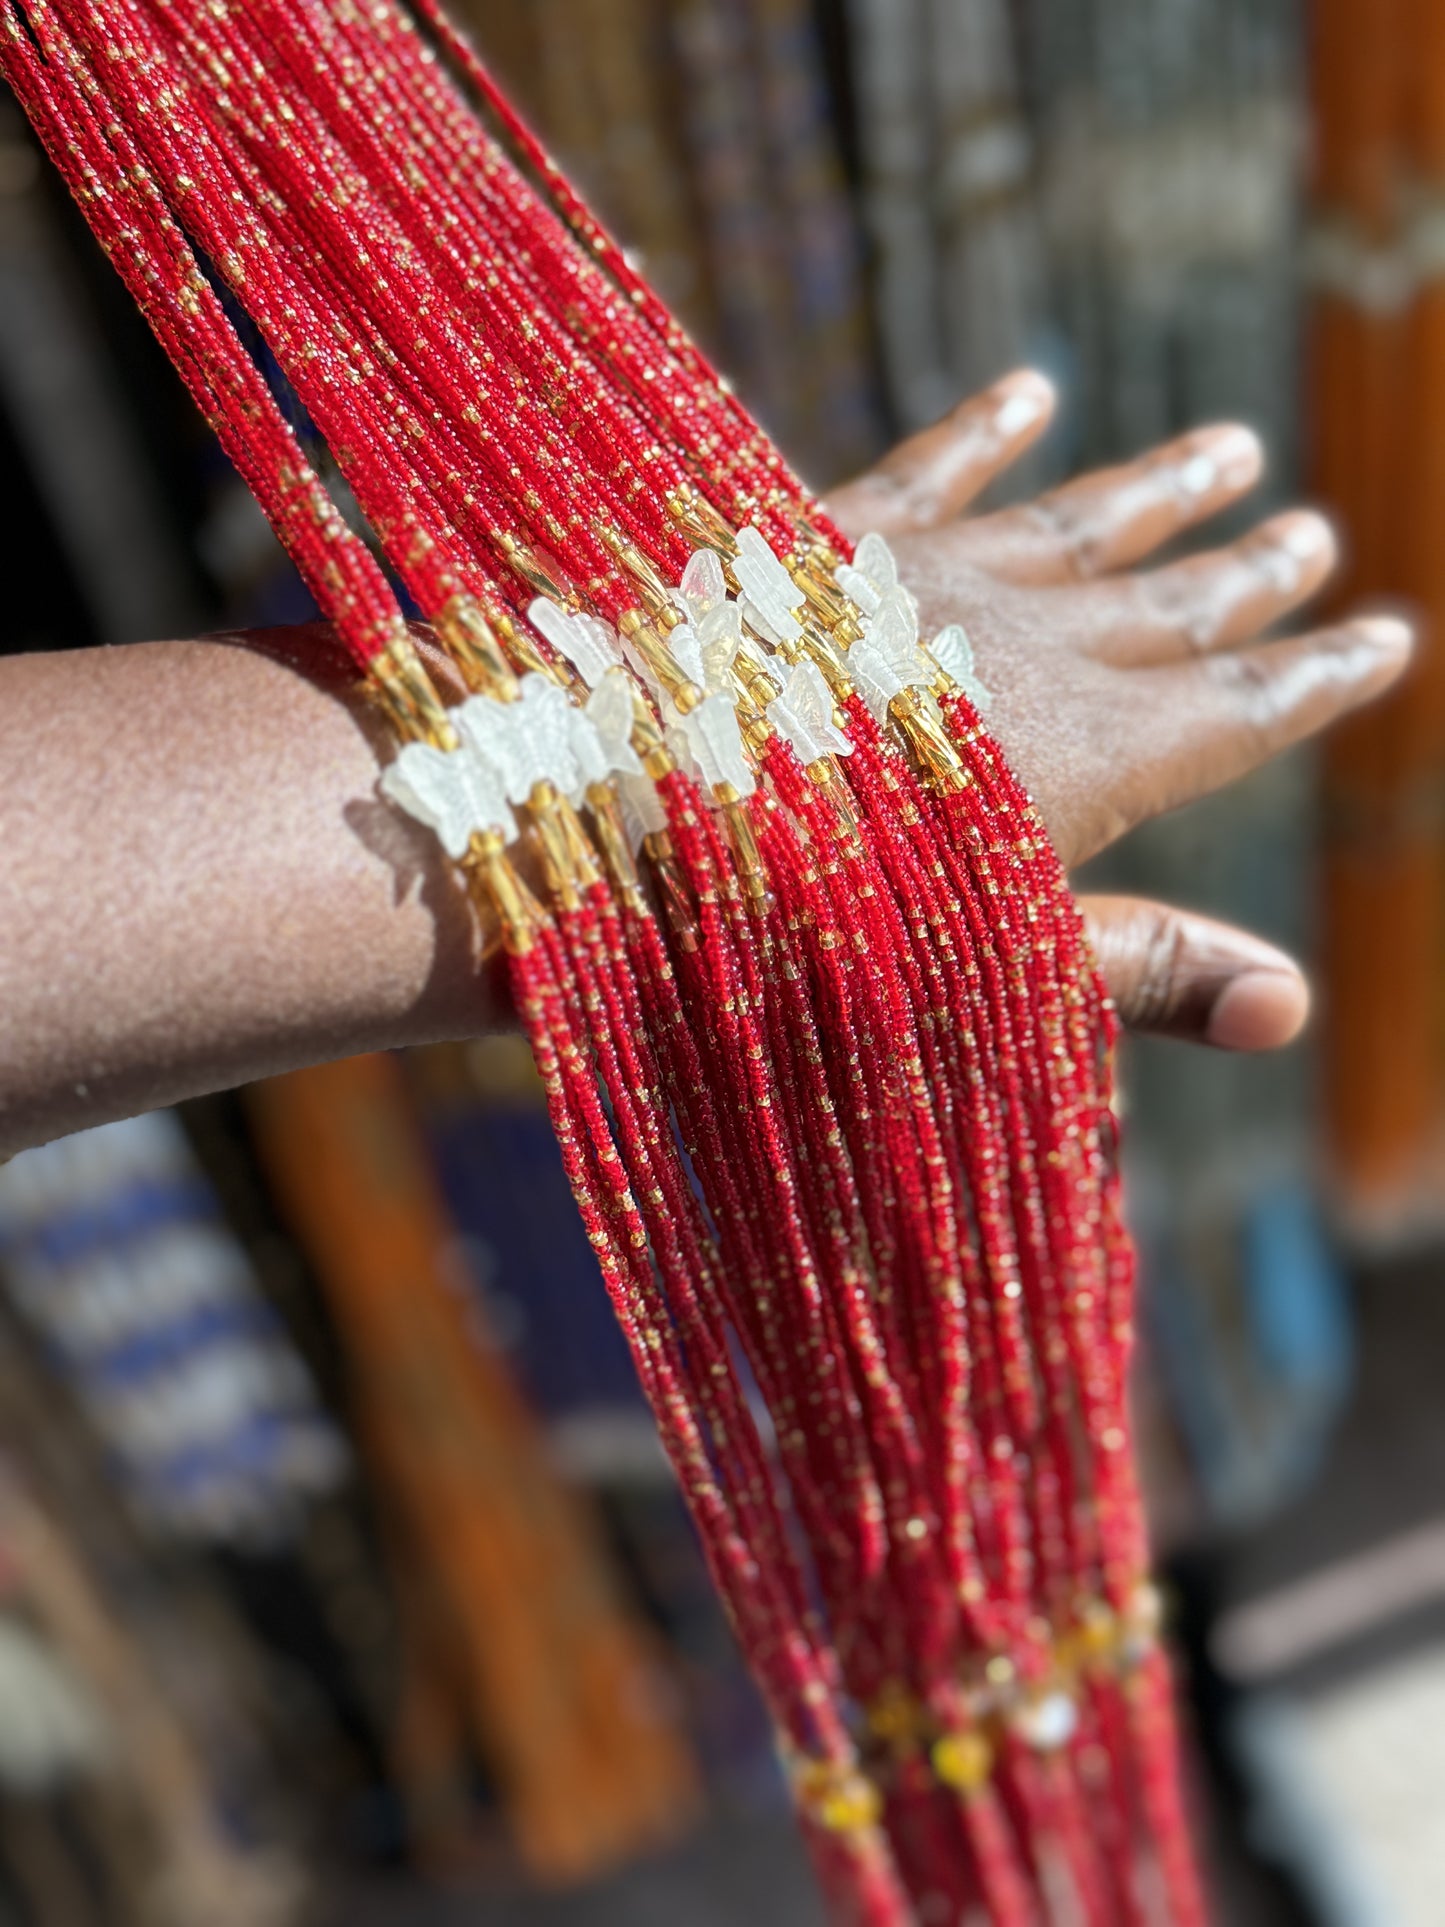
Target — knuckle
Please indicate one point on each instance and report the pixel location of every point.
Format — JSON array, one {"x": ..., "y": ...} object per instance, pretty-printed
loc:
[
  {"x": 1161, "y": 982},
  {"x": 1069, "y": 532},
  {"x": 1184, "y": 602},
  {"x": 1268, "y": 563},
  {"x": 1253, "y": 692}
]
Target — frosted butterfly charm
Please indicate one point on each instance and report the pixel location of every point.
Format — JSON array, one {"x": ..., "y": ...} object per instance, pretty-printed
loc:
[
  {"x": 609, "y": 715},
  {"x": 710, "y": 741},
  {"x": 584, "y": 641},
  {"x": 643, "y": 813},
  {"x": 766, "y": 586},
  {"x": 720, "y": 636},
  {"x": 893, "y": 632},
  {"x": 686, "y": 650},
  {"x": 1049, "y": 1723},
  {"x": 528, "y": 741},
  {"x": 871, "y": 575},
  {"x": 600, "y": 736},
  {"x": 875, "y": 677},
  {"x": 803, "y": 715},
  {"x": 455, "y": 792},
  {"x": 871, "y": 578},
  {"x": 953, "y": 652},
  {"x": 703, "y": 584}
]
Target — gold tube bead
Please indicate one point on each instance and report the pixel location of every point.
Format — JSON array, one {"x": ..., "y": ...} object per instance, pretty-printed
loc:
[
  {"x": 567, "y": 860},
  {"x": 635, "y": 627},
  {"x": 817, "y": 547},
  {"x": 744, "y": 844},
  {"x": 464, "y": 632},
  {"x": 698, "y": 519},
  {"x": 963, "y": 1761},
  {"x": 648, "y": 741},
  {"x": 524, "y": 655},
  {"x": 755, "y": 729},
  {"x": 535, "y": 573},
  {"x": 897, "y": 1719},
  {"x": 672, "y": 886},
  {"x": 827, "y": 600},
  {"x": 488, "y": 869},
  {"x": 826, "y": 776},
  {"x": 823, "y": 651},
  {"x": 617, "y": 859},
  {"x": 938, "y": 761},
  {"x": 753, "y": 679},
  {"x": 398, "y": 683},
  {"x": 586, "y": 864},
  {"x": 655, "y": 591}
]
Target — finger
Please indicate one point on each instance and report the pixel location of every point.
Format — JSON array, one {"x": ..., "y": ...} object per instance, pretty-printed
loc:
[
  {"x": 1214, "y": 720},
  {"x": 1207, "y": 602},
  {"x": 933, "y": 476},
  {"x": 1116, "y": 516},
  {"x": 1174, "y": 974}
]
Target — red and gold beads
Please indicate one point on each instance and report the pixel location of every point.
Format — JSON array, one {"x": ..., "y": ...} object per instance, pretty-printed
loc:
[{"x": 821, "y": 1041}]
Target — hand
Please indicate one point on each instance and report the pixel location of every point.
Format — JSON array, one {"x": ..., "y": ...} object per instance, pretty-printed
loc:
[{"x": 1120, "y": 692}]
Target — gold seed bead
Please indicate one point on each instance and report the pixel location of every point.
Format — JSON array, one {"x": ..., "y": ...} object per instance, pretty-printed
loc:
[
  {"x": 963, "y": 1761},
  {"x": 842, "y": 1799}
]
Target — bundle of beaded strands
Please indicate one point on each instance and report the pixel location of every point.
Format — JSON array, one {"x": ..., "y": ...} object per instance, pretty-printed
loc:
[{"x": 824, "y": 1051}]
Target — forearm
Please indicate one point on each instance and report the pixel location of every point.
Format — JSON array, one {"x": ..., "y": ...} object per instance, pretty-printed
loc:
[{"x": 200, "y": 886}]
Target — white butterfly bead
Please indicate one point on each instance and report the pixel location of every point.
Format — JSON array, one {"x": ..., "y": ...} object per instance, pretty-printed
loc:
[
  {"x": 953, "y": 652},
  {"x": 758, "y": 623},
  {"x": 875, "y": 678},
  {"x": 609, "y": 711},
  {"x": 878, "y": 562},
  {"x": 766, "y": 584},
  {"x": 803, "y": 715},
  {"x": 872, "y": 573},
  {"x": 893, "y": 632},
  {"x": 600, "y": 735},
  {"x": 588, "y": 644},
  {"x": 871, "y": 579},
  {"x": 858, "y": 589},
  {"x": 709, "y": 741},
  {"x": 686, "y": 650},
  {"x": 1049, "y": 1723},
  {"x": 642, "y": 809},
  {"x": 543, "y": 720},
  {"x": 485, "y": 727},
  {"x": 720, "y": 636},
  {"x": 703, "y": 584},
  {"x": 528, "y": 741},
  {"x": 455, "y": 792}
]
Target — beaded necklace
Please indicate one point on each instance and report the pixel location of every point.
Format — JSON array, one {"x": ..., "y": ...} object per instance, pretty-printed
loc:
[{"x": 822, "y": 1045}]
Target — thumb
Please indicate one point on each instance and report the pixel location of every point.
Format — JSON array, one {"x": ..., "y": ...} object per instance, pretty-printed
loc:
[{"x": 1174, "y": 974}]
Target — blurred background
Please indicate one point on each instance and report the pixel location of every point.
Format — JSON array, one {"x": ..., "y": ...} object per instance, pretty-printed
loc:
[{"x": 341, "y": 1578}]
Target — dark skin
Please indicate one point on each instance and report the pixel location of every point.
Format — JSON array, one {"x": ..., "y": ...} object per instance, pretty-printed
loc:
[
  {"x": 201, "y": 887},
  {"x": 1123, "y": 691}
]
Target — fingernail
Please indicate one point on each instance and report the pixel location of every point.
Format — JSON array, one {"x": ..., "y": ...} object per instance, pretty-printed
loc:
[
  {"x": 1260, "y": 1010},
  {"x": 1386, "y": 632},
  {"x": 1199, "y": 475},
  {"x": 1307, "y": 536},
  {"x": 1293, "y": 544},
  {"x": 1230, "y": 458},
  {"x": 1021, "y": 410}
]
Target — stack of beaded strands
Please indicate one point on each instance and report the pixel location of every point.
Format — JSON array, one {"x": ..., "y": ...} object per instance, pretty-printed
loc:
[{"x": 824, "y": 1051}]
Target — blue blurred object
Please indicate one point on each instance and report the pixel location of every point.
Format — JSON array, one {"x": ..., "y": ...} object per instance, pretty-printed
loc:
[
  {"x": 508, "y": 1195},
  {"x": 113, "y": 1250},
  {"x": 1258, "y": 1356}
]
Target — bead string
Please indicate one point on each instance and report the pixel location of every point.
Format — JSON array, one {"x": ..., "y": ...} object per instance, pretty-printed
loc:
[{"x": 821, "y": 1041}]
